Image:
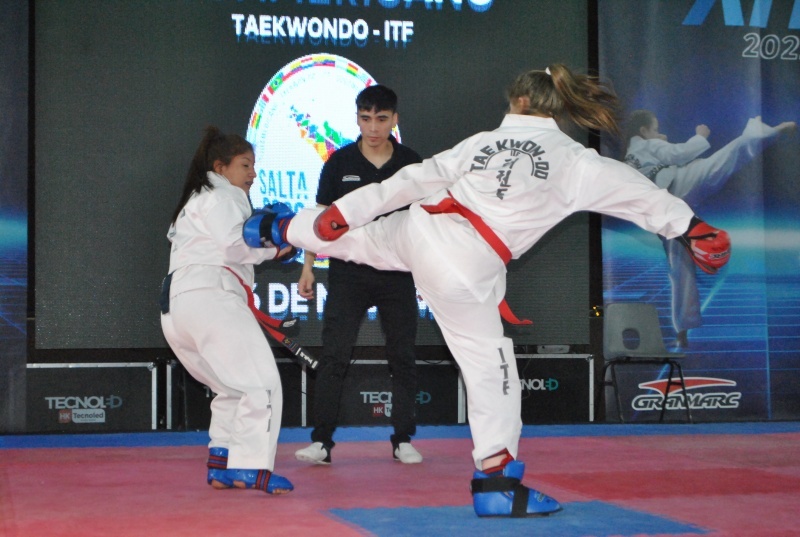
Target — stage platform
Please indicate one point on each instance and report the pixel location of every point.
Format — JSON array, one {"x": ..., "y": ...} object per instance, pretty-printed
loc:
[{"x": 721, "y": 479}]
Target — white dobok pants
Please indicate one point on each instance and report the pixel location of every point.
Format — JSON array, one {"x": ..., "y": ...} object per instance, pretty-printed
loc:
[
  {"x": 472, "y": 328},
  {"x": 219, "y": 342}
]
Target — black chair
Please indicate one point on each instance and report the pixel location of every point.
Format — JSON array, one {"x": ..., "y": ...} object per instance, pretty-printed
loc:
[{"x": 632, "y": 335}]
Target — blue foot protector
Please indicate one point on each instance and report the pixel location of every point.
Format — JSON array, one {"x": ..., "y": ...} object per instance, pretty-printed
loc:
[
  {"x": 217, "y": 464},
  {"x": 259, "y": 479},
  {"x": 504, "y": 495}
]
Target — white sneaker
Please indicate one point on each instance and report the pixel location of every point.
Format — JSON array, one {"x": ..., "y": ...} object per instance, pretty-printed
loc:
[
  {"x": 406, "y": 454},
  {"x": 315, "y": 453}
]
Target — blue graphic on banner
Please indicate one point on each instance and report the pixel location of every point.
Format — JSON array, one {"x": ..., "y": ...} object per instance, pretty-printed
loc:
[
  {"x": 733, "y": 13},
  {"x": 13, "y": 283}
]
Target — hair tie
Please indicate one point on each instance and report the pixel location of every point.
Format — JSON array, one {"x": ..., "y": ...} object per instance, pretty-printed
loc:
[{"x": 547, "y": 70}]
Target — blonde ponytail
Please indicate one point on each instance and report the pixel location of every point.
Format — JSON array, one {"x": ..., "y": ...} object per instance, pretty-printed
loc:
[{"x": 557, "y": 91}]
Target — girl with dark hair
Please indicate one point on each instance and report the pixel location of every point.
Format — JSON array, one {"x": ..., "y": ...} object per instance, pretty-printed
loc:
[
  {"x": 206, "y": 319},
  {"x": 475, "y": 207}
]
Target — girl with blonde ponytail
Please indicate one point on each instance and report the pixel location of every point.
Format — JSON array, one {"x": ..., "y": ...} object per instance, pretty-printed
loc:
[
  {"x": 557, "y": 91},
  {"x": 474, "y": 208}
]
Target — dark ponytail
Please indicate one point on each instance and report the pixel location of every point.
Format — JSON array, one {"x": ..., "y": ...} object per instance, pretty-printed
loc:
[{"x": 214, "y": 147}]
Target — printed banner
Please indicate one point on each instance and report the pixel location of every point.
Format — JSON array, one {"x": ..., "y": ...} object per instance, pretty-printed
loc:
[
  {"x": 90, "y": 397},
  {"x": 13, "y": 211},
  {"x": 710, "y": 90},
  {"x": 556, "y": 388}
]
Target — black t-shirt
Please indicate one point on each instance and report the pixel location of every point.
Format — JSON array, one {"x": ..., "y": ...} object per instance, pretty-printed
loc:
[{"x": 347, "y": 169}]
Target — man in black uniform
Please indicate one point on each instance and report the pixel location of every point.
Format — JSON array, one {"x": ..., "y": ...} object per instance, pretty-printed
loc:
[{"x": 354, "y": 288}]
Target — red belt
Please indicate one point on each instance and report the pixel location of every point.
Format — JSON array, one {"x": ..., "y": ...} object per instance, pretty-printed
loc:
[
  {"x": 271, "y": 325},
  {"x": 451, "y": 205}
]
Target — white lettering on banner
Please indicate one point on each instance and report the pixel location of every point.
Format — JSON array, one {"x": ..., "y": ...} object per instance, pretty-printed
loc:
[
  {"x": 279, "y": 298},
  {"x": 277, "y": 28},
  {"x": 771, "y": 47},
  {"x": 704, "y": 401},
  {"x": 285, "y": 301},
  {"x": 89, "y": 416},
  {"x": 376, "y": 397},
  {"x": 299, "y": 304},
  {"x": 550, "y": 384},
  {"x": 382, "y": 402},
  {"x": 92, "y": 401},
  {"x": 398, "y": 31},
  {"x": 281, "y": 185},
  {"x": 267, "y": 29},
  {"x": 423, "y": 398}
]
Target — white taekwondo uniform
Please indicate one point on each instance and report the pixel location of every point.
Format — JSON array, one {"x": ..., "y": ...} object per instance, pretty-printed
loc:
[
  {"x": 522, "y": 179},
  {"x": 212, "y": 330}
]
